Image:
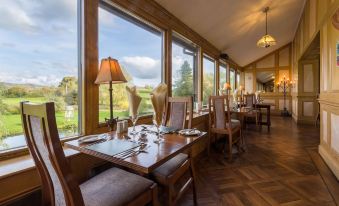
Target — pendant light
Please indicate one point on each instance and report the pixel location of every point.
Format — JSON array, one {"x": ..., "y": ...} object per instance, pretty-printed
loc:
[{"x": 267, "y": 40}]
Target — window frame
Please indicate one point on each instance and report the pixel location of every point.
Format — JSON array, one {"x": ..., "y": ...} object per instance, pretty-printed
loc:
[
  {"x": 19, "y": 151},
  {"x": 226, "y": 66},
  {"x": 214, "y": 91},
  {"x": 141, "y": 23},
  {"x": 183, "y": 42}
]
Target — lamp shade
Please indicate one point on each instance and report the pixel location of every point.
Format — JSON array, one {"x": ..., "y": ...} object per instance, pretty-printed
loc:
[
  {"x": 266, "y": 41},
  {"x": 227, "y": 86},
  {"x": 110, "y": 71}
]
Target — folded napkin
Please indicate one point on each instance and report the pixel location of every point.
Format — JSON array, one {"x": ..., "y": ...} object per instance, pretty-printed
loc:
[
  {"x": 158, "y": 98},
  {"x": 133, "y": 100}
]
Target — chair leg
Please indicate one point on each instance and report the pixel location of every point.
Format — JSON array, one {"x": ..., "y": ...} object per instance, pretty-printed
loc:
[{"x": 193, "y": 184}]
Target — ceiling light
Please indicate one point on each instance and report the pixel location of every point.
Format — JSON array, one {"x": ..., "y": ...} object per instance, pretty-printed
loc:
[{"x": 267, "y": 40}]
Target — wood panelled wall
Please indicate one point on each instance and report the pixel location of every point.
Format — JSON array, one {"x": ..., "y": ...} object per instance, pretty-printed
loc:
[
  {"x": 278, "y": 62},
  {"x": 317, "y": 18}
]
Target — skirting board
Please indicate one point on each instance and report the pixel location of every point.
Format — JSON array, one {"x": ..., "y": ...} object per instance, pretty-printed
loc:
[{"x": 331, "y": 162}]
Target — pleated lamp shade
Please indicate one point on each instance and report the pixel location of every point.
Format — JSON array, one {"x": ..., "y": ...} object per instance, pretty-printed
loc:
[{"x": 110, "y": 71}]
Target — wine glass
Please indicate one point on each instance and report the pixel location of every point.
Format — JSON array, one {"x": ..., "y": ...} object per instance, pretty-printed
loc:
[
  {"x": 157, "y": 123},
  {"x": 134, "y": 119}
]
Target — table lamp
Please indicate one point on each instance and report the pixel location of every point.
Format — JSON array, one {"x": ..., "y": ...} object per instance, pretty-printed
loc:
[
  {"x": 110, "y": 73},
  {"x": 227, "y": 87}
]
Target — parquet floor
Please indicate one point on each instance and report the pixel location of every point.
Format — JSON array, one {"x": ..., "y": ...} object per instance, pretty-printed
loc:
[{"x": 276, "y": 169}]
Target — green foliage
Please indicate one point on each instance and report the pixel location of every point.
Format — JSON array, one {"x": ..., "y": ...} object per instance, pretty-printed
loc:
[
  {"x": 16, "y": 91},
  {"x": 183, "y": 86},
  {"x": 208, "y": 87}
]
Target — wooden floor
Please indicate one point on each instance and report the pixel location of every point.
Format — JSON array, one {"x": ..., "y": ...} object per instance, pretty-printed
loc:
[{"x": 277, "y": 169}]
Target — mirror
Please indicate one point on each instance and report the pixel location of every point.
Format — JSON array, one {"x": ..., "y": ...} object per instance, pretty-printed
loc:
[{"x": 265, "y": 81}]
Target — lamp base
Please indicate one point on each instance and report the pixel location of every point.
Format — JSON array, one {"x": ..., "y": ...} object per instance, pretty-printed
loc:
[
  {"x": 285, "y": 113},
  {"x": 111, "y": 123}
]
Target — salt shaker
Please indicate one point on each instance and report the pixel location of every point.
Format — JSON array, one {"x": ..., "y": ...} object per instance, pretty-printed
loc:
[
  {"x": 120, "y": 127},
  {"x": 125, "y": 125}
]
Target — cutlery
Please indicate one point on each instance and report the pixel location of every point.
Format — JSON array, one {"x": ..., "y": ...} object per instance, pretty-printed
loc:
[{"x": 140, "y": 150}]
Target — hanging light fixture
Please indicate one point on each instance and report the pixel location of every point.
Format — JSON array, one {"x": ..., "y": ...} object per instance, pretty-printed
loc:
[{"x": 267, "y": 40}]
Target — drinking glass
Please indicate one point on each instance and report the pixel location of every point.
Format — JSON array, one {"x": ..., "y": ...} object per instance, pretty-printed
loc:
[
  {"x": 157, "y": 124},
  {"x": 134, "y": 120}
]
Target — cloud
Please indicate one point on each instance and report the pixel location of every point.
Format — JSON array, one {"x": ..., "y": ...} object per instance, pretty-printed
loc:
[
  {"x": 142, "y": 67},
  {"x": 43, "y": 80},
  {"x": 14, "y": 17}
]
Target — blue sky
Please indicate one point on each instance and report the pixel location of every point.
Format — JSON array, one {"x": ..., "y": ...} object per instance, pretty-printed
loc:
[{"x": 38, "y": 43}]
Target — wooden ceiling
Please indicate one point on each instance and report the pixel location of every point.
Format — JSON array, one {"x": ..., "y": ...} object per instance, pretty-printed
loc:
[{"x": 235, "y": 26}]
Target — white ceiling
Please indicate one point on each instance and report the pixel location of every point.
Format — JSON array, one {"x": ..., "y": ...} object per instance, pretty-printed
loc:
[{"x": 235, "y": 26}]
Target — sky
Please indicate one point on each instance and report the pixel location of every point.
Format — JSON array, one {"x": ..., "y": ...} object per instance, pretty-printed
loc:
[{"x": 38, "y": 44}]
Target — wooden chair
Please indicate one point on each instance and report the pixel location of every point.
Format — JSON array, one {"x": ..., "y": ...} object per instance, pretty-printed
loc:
[
  {"x": 173, "y": 170},
  {"x": 220, "y": 122},
  {"x": 59, "y": 187},
  {"x": 249, "y": 101}
]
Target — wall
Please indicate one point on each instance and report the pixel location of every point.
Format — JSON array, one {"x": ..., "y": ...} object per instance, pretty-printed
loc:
[
  {"x": 317, "y": 18},
  {"x": 278, "y": 62}
]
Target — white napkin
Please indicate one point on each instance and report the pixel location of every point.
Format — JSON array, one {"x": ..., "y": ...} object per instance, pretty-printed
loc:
[
  {"x": 133, "y": 100},
  {"x": 158, "y": 98}
]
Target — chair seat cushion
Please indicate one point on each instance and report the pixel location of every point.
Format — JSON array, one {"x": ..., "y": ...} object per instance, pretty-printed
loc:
[
  {"x": 170, "y": 166},
  {"x": 234, "y": 123},
  {"x": 113, "y": 187}
]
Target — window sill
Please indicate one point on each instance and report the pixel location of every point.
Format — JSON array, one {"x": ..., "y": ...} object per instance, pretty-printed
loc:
[
  {"x": 22, "y": 151},
  {"x": 23, "y": 163}
]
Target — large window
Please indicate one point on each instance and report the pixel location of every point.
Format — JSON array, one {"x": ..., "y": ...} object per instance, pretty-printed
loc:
[
  {"x": 138, "y": 48},
  {"x": 38, "y": 63},
  {"x": 232, "y": 79},
  {"x": 184, "y": 72},
  {"x": 208, "y": 78},
  {"x": 222, "y": 76}
]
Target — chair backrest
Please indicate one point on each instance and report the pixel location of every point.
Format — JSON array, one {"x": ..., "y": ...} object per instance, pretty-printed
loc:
[
  {"x": 176, "y": 112},
  {"x": 249, "y": 100},
  {"x": 40, "y": 129},
  {"x": 218, "y": 110}
]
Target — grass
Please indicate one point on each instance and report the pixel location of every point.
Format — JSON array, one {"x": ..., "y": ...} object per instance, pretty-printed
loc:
[
  {"x": 13, "y": 125},
  {"x": 16, "y": 101}
]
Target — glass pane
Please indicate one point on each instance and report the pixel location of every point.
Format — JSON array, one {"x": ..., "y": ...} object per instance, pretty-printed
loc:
[
  {"x": 232, "y": 79},
  {"x": 39, "y": 63},
  {"x": 138, "y": 50},
  {"x": 208, "y": 79},
  {"x": 222, "y": 76},
  {"x": 238, "y": 80},
  {"x": 183, "y": 70}
]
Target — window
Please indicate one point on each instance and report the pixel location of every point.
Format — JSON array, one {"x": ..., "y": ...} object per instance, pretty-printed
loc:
[
  {"x": 39, "y": 63},
  {"x": 238, "y": 79},
  {"x": 184, "y": 72},
  {"x": 232, "y": 79},
  {"x": 222, "y": 76},
  {"x": 208, "y": 78},
  {"x": 138, "y": 48}
]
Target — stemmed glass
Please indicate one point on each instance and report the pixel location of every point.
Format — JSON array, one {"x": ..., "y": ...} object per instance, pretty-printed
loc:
[
  {"x": 134, "y": 119},
  {"x": 157, "y": 123}
]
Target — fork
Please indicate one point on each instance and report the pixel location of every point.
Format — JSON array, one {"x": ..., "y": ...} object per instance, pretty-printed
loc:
[{"x": 140, "y": 150}]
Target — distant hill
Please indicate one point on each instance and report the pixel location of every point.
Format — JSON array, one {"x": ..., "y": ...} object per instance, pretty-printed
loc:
[{"x": 6, "y": 84}]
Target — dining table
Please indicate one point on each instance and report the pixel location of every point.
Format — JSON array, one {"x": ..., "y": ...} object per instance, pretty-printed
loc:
[{"x": 144, "y": 163}]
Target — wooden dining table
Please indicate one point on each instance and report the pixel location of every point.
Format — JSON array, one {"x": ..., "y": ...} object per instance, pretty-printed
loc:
[{"x": 145, "y": 162}]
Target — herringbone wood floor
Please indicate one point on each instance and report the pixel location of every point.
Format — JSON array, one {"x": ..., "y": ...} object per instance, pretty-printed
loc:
[{"x": 276, "y": 169}]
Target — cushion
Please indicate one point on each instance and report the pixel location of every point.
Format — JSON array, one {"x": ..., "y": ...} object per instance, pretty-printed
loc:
[
  {"x": 234, "y": 123},
  {"x": 170, "y": 166},
  {"x": 113, "y": 187}
]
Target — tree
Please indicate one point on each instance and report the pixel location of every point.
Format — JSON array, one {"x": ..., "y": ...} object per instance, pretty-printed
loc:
[
  {"x": 208, "y": 86},
  {"x": 68, "y": 88},
  {"x": 183, "y": 86},
  {"x": 3, "y": 129}
]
